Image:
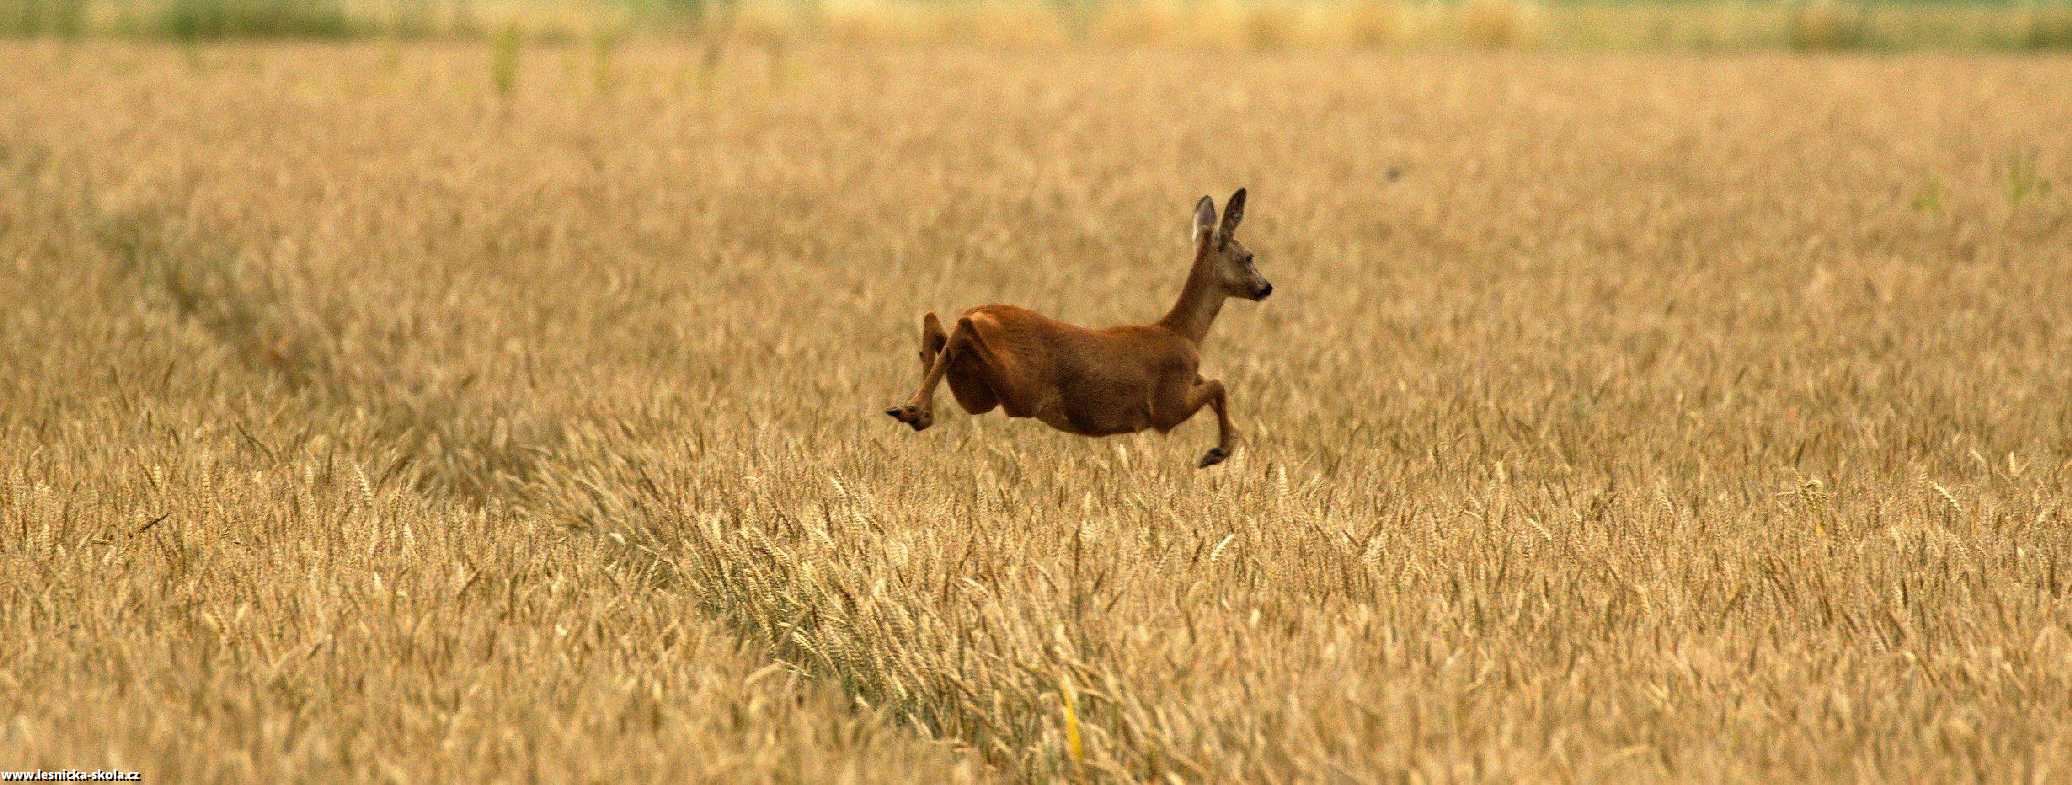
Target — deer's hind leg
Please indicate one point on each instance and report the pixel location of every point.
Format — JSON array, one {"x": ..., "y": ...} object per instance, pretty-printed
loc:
[
  {"x": 969, "y": 383},
  {"x": 934, "y": 345},
  {"x": 968, "y": 372},
  {"x": 960, "y": 357},
  {"x": 933, "y": 339}
]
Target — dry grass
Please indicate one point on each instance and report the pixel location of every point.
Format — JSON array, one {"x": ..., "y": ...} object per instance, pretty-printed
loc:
[{"x": 1618, "y": 418}]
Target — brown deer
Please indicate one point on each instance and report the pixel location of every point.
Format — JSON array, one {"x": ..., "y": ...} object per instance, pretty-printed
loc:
[{"x": 1097, "y": 382}]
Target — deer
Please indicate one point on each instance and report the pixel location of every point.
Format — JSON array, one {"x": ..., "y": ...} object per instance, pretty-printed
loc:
[{"x": 1097, "y": 382}]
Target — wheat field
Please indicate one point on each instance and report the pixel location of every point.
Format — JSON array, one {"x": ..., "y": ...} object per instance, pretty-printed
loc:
[{"x": 459, "y": 412}]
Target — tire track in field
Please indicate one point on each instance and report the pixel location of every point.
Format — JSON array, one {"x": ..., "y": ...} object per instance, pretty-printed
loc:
[{"x": 441, "y": 440}]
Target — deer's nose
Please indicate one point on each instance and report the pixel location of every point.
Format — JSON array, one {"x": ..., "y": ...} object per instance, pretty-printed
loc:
[{"x": 1265, "y": 291}]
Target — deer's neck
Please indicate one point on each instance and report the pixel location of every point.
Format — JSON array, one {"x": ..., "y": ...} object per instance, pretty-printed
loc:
[{"x": 1198, "y": 305}]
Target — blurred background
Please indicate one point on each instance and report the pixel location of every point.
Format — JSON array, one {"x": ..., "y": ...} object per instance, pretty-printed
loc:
[{"x": 1231, "y": 24}]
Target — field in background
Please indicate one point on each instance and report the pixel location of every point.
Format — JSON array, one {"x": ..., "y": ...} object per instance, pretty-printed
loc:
[
  {"x": 493, "y": 412},
  {"x": 1218, "y": 24}
]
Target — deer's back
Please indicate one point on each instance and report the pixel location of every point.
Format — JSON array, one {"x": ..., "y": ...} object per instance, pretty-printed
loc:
[
  {"x": 1092, "y": 381},
  {"x": 1050, "y": 344}
]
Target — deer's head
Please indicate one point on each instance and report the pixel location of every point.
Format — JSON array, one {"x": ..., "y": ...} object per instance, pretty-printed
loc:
[{"x": 1217, "y": 247}]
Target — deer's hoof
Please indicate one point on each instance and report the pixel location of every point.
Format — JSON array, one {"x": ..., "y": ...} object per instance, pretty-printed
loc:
[
  {"x": 1214, "y": 456},
  {"x": 914, "y": 416}
]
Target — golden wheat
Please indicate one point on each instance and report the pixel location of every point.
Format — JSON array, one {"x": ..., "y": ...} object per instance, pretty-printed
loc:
[{"x": 1619, "y": 418}]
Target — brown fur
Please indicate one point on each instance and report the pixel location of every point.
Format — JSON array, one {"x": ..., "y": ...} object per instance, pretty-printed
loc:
[{"x": 1096, "y": 382}]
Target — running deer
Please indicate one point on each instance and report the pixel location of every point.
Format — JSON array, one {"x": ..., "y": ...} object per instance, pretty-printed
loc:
[{"x": 1097, "y": 382}]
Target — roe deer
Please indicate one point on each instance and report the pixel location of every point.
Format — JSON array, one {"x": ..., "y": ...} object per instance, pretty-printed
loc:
[{"x": 1096, "y": 382}]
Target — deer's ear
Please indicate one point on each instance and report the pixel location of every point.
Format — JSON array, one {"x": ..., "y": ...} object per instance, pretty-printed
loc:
[
  {"x": 1204, "y": 219},
  {"x": 1233, "y": 212}
]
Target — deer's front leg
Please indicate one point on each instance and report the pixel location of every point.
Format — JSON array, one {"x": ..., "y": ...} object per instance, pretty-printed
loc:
[
  {"x": 1226, "y": 434},
  {"x": 1204, "y": 392}
]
